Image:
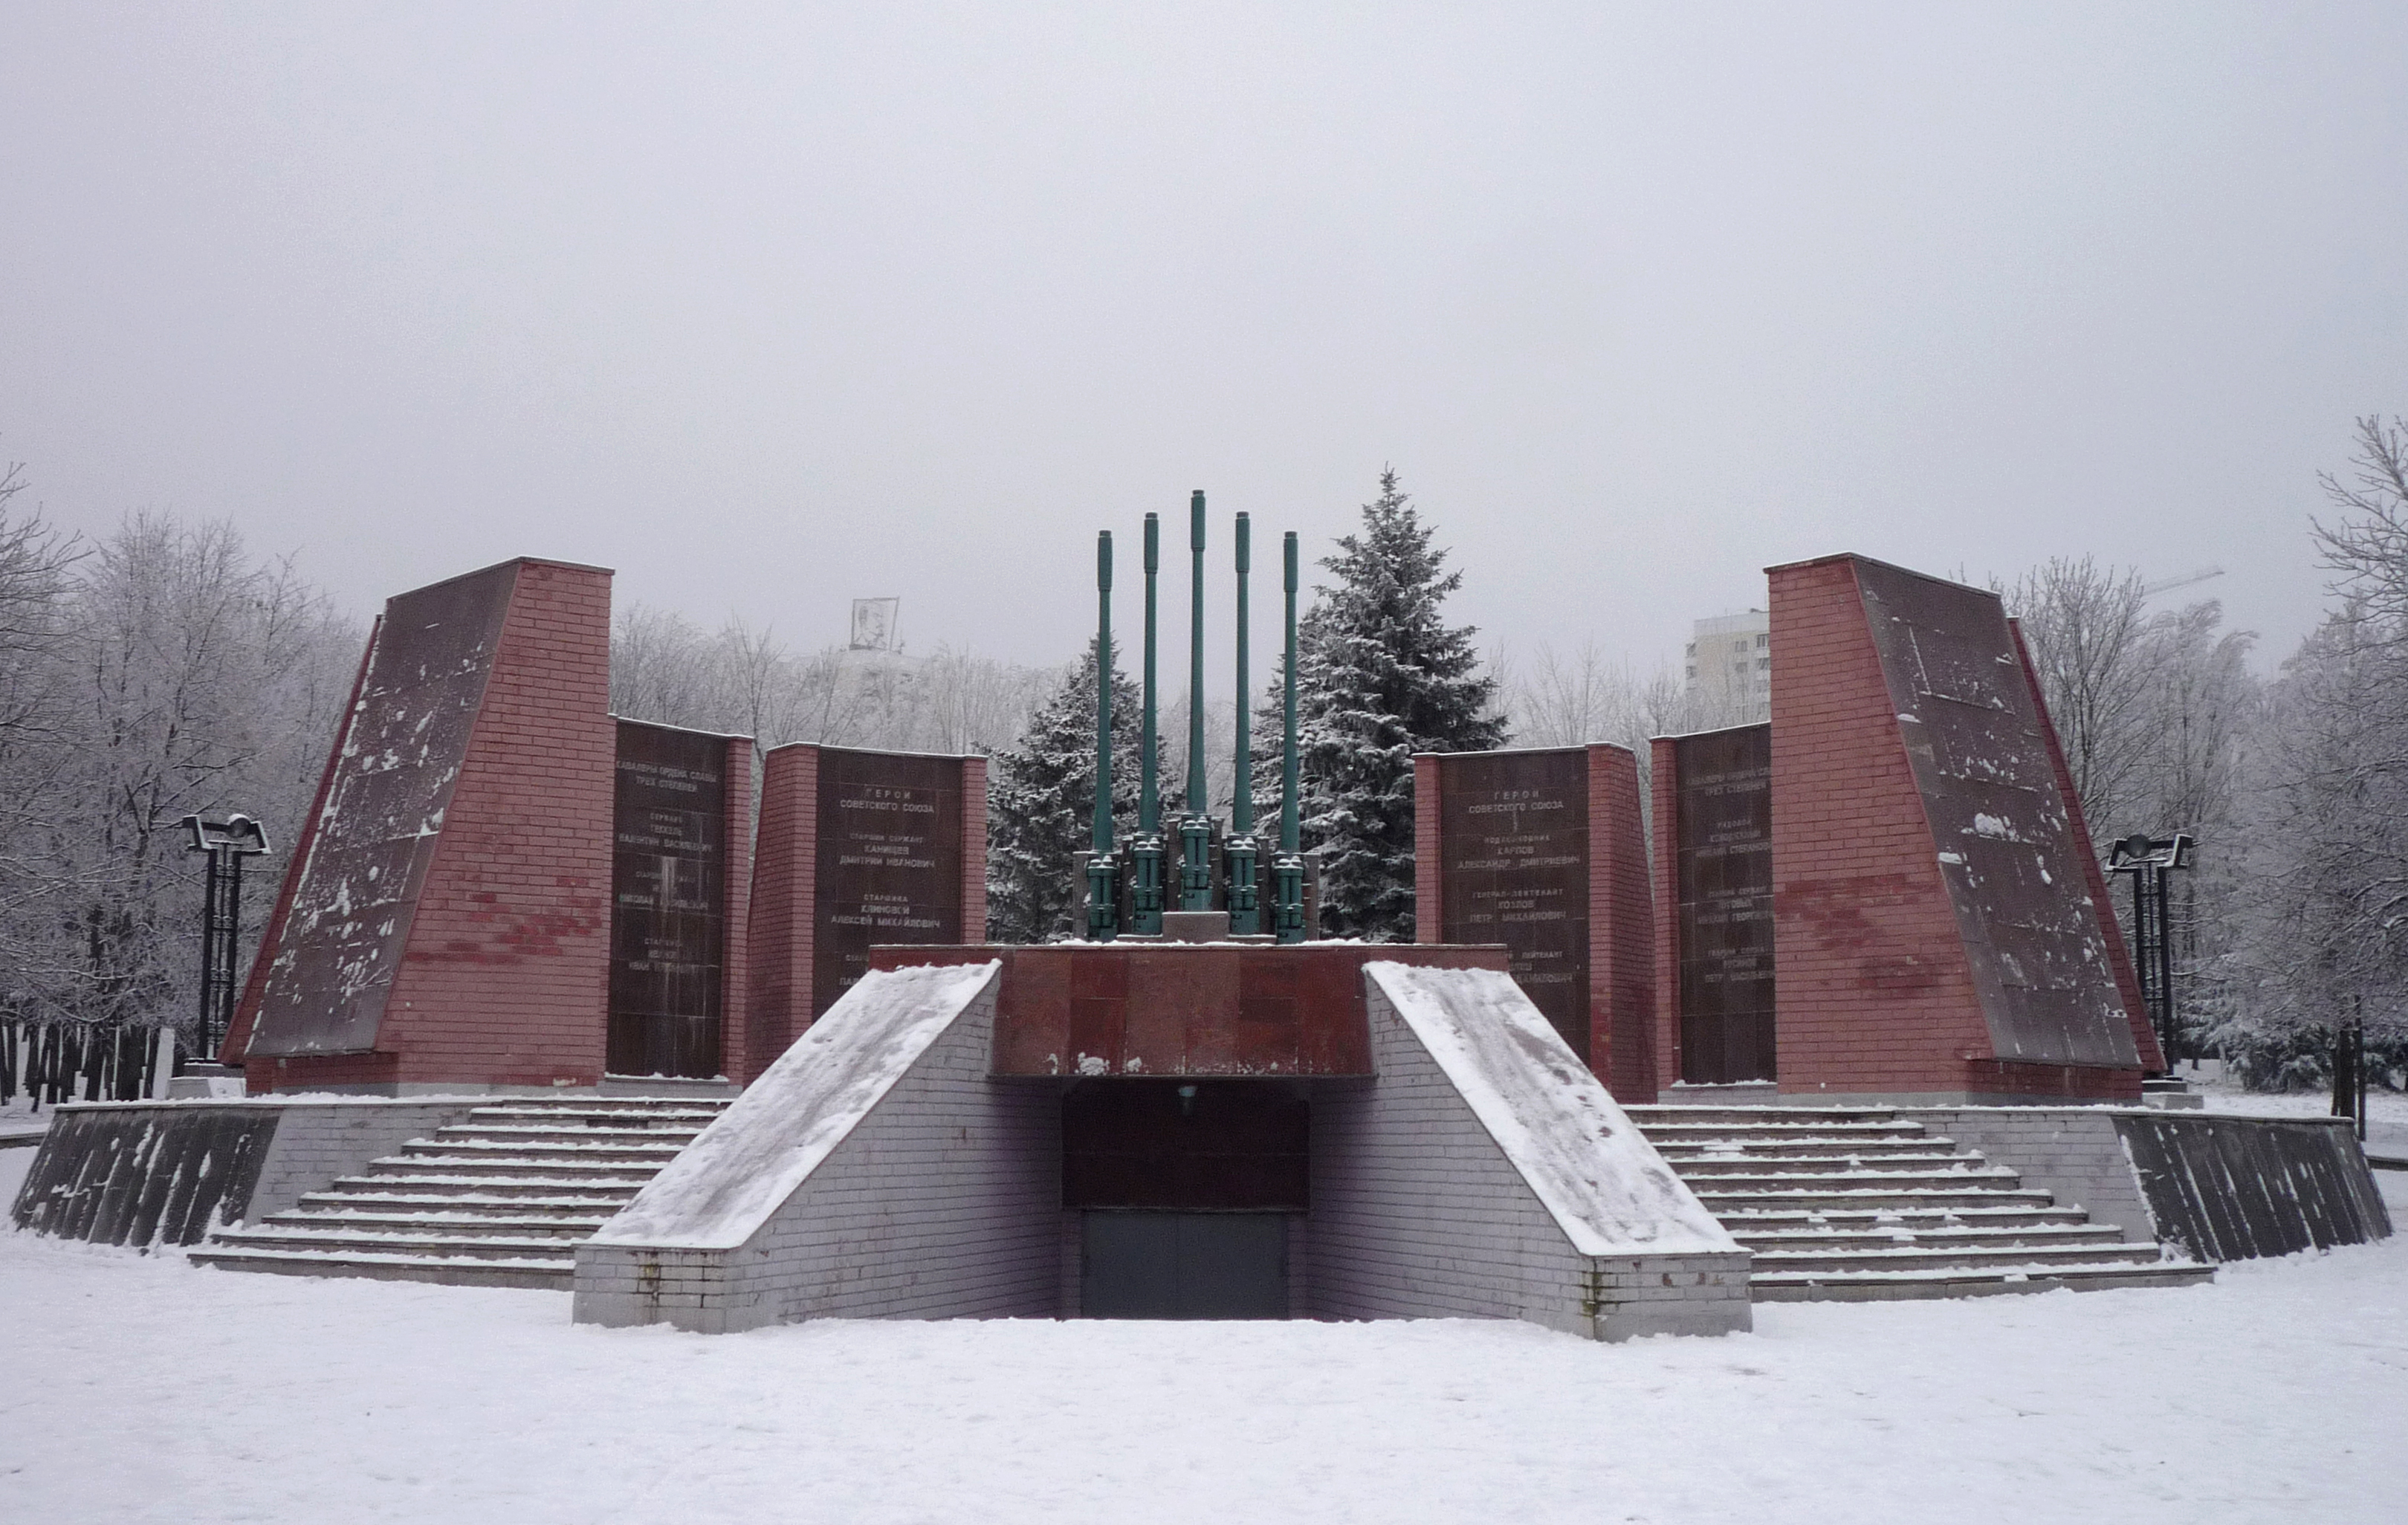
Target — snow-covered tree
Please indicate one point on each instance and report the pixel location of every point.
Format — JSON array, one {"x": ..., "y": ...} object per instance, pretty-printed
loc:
[
  {"x": 744, "y": 679},
  {"x": 1041, "y": 803},
  {"x": 1380, "y": 676},
  {"x": 181, "y": 675}
]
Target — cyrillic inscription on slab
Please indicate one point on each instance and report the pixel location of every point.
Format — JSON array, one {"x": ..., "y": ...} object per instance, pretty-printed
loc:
[
  {"x": 889, "y": 861},
  {"x": 1723, "y": 861},
  {"x": 1513, "y": 869},
  {"x": 669, "y": 911}
]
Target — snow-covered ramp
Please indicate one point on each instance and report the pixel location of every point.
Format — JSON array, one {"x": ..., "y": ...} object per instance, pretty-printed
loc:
[
  {"x": 875, "y": 1170},
  {"x": 1488, "y": 1174}
]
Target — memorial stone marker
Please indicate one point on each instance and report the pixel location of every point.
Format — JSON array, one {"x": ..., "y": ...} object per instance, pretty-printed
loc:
[
  {"x": 668, "y": 919},
  {"x": 1541, "y": 850},
  {"x": 890, "y": 860},
  {"x": 1513, "y": 869},
  {"x": 857, "y": 849},
  {"x": 1722, "y": 892}
]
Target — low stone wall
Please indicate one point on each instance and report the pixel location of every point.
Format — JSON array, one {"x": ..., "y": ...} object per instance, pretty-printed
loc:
[
  {"x": 2223, "y": 1188},
  {"x": 141, "y": 1174},
  {"x": 2234, "y": 1189}
]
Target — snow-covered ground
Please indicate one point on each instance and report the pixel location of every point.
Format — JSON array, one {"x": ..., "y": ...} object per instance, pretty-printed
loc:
[
  {"x": 142, "y": 1388},
  {"x": 2386, "y": 1112}
]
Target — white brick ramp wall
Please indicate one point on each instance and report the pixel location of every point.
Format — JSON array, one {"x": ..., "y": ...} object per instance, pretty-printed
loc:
[
  {"x": 874, "y": 1171},
  {"x": 1486, "y": 1174}
]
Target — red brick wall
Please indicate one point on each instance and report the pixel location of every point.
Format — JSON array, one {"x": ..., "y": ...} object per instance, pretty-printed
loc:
[
  {"x": 1426, "y": 885},
  {"x": 785, "y": 880},
  {"x": 1663, "y": 791},
  {"x": 1156, "y": 1009},
  {"x": 1621, "y": 950},
  {"x": 505, "y": 979},
  {"x": 2119, "y": 958},
  {"x": 735, "y": 960},
  {"x": 974, "y": 847},
  {"x": 1873, "y": 988}
]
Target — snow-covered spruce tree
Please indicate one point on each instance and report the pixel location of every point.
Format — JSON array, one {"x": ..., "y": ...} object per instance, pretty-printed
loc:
[
  {"x": 1380, "y": 676},
  {"x": 1042, "y": 805}
]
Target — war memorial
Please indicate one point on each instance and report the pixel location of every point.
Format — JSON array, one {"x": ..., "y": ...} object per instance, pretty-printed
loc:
[{"x": 550, "y": 998}]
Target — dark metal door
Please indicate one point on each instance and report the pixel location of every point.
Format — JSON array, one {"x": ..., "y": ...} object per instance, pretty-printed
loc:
[{"x": 1183, "y": 1265}]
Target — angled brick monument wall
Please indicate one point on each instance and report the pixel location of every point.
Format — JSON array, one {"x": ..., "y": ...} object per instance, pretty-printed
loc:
[
  {"x": 447, "y": 919},
  {"x": 1541, "y": 850},
  {"x": 1935, "y": 929},
  {"x": 855, "y": 849},
  {"x": 2119, "y": 956}
]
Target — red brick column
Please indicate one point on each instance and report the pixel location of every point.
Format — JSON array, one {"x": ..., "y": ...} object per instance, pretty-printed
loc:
[
  {"x": 973, "y": 849},
  {"x": 1875, "y": 988},
  {"x": 506, "y": 977},
  {"x": 2128, "y": 984},
  {"x": 785, "y": 882},
  {"x": 1663, "y": 789},
  {"x": 1426, "y": 883},
  {"x": 736, "y": 905},
  {"x": 1621, "y": 933}
]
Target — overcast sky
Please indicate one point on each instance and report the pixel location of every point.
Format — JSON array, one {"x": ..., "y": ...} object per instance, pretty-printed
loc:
[{"x": 773, "y": 309}]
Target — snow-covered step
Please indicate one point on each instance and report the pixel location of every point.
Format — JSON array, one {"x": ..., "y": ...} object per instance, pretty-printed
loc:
[
  {"x": 571, "y": 1227},
  {"x": 1817, "y": 1238},
  {"x": 345, "y": 1240},
  {"x": 645, "y": 1106},
  {"x": 448, "y": 1145},
  {"x": 1682, "y": 1132},
  {"x": 1921, "y": 1255},
  {"x": 1801, "y": 1197},
  {"x": 1860, "y": 1203},
  {"x": 1888, "y": 1286},
  {"x": 619, "y": 1118},
  {"x": 1880, "y": 1147},
  {"x": 1652, "y": 1115},
  {"x": 531, "y": 1172},
  {"x": 1906, "y": 1217},
  {"x": 1947, "y": 1175},
  {"x": 1711, "y": 1167},
  {"x": 535, "y": 1184},
  {"x": 455, "y": 1271},
  {"x": 534, "y": 1132},
  {"x": 502, "y": 1199},
  {"x": 373, "y": 1194}
]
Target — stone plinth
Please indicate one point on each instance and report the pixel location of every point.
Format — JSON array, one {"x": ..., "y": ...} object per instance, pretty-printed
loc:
[{"x": 1185, "y": 1009}]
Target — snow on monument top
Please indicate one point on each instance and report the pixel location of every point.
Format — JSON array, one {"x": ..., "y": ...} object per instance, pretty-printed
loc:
[
  {"x": 723, "y": 1186},
  {"x": 1586, "y": 1160}
]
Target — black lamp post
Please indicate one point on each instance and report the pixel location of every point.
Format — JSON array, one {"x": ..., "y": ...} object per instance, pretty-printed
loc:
[
  {"x": 228, "y": 843},
  {"x": 2149, "y": 860}
]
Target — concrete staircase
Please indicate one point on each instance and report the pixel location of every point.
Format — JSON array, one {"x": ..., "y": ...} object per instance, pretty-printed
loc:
[
  {"x": 501, "y": 1199},
  {"x": 1859, "y": 1204}
]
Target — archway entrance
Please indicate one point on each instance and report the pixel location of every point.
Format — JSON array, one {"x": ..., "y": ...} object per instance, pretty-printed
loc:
[{"x": 1185, "y": 1189}]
